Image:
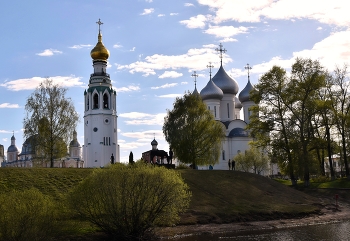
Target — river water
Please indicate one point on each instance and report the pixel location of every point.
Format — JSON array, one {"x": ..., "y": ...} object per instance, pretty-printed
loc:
[{"x": 339, "y": 231}]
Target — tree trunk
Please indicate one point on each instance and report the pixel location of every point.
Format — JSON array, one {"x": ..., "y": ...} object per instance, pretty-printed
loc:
[{"x": 329, "y": 149}]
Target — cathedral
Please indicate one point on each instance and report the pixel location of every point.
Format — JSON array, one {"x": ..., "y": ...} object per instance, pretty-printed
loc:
[
  {"x": 28, "y": 155},
  {"x": 100, "y": 112},
  {"x": 220, "y": 96}
]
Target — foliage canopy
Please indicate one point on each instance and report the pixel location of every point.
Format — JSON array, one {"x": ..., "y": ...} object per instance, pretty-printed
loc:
[
  {"x": 50, "y": 121},
  {"x": 127, "y": 201},
  {"x": 192, "y": 132}
]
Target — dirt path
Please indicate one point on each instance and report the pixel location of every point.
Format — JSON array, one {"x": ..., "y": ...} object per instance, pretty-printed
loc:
[{"x": 329, "y": 213}]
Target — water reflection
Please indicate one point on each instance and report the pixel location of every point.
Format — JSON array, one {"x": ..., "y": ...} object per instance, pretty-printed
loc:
[{"x": 323, "y": 232}]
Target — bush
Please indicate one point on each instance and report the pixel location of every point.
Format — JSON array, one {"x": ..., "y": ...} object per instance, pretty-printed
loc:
[
  {"x": 26, "y": 215},
  {"x": 128, "y": 201}
]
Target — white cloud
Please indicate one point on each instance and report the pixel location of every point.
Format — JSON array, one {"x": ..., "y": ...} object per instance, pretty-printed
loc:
[
  {"x": 147, "y": 11},
  {"x": 133, "y": 49},
  {"x": 49, "y": 52},
  {"x": 3, "y": 131},
  {"x": 194, "y": 59},
  {"x": 198, "y": 21},
  {"x": 164, "y": 86},
  {"x": 225, "y": 31},
  {"x": 331, "y": 51},
  {"x": 225, "y": 40},
  {"x": 170, "y": 74},
  {"x": 144, "y": 135},
  {"x": 8, "y": 105},
  {"x": 319, "y": 28},
  {"x": 184, "y": 83},
  {"x": 4, "y": 139},
  {"x": 117, "y": 46},
  {"x": 170, "y": 96},
  {"x": 174, "y": 14},
  {"x": 149, "y": 1},
  {"x": 80, "y": 46},
  {"x": 138, "y": 118},
  {"x": 32, "y": 83},
  {"x": 333, "y": 12},
  {"x": 128, "y": 88},
  {"x": 161, "y": 15},
  {"x": 189, "y": 5}
]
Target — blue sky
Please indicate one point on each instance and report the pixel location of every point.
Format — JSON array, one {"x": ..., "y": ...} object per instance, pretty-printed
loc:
[{"x": 155, "y": 45}]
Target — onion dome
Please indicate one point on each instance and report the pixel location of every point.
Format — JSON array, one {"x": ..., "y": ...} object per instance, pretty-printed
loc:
[
  {"x": 238, "y": 132},
  {"x": 13, "y": 147},
  {"x": 74, "y": 142},
  {"x": 211, "y": 91},
  {"x": 244, "y": 95},
  {"x": 225, "y": 82},
  {"x": 99, "y": 52},
  {"x": 238, "y": 104},
  {"x": 154, "y": 142}
]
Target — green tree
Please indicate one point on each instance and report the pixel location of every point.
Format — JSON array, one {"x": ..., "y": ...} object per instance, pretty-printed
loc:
[
  {"x": 192, "y": 132},
  {"x": 127, "y": 202},
  {"x": 50, "y": 120},
  {"x": 27, "y": 215},
  {"x": 131, "y": 158},
  {"x": 339, "y": 94},
  {"x": 252, "y": 160}
]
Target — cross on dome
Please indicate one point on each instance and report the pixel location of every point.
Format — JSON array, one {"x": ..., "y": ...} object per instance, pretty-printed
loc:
[
  {"x": 99, "y": 24},
  {"x": 221, "y": 50},
  {"x": 195, "y": 75},
  {"x": 247, "y": 67},
  {"x": 210, "y": 66}
]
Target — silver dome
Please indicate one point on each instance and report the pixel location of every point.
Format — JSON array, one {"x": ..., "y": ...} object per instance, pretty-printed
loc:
[
  {"x": 244, "y": 95},
  {"x": 225, "y": 82},
  {"x": 12, "y": 148},
  {"x": 211, "y": 91},
  {"x": 238, "y": 104},
  {"x": 154, "y": 142},
  {"x": 195, "y": 92}
]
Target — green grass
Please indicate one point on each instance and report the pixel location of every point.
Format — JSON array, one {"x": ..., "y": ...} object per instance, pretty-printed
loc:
[{"x": 217, "y": 196}]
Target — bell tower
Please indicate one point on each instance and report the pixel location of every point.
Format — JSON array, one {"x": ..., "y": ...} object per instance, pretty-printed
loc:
[{"x": 100, "y": 111}]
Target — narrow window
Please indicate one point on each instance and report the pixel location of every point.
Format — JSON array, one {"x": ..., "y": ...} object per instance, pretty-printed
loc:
[
  {"x": 105, "y": 101},
  {"x": 223, "y": 154},
  {"x": 104, "y": 141},
  {"x": 228, "y": 110},
  {"x": 95, "y": 101},
  {"x": 109, "y": 140},
  {"x": 208, "y": 107},
  {"x": 215, "y": 111},
  {"x": 88, "y": 103}
]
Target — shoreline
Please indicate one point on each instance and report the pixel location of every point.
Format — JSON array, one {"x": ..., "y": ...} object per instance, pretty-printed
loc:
[{"x": 329, "y": 213}]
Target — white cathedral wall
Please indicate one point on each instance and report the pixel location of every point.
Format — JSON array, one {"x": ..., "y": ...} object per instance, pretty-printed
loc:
[
  {"x": 227, "y": 107},
  {"x": 214, "y": 107}
]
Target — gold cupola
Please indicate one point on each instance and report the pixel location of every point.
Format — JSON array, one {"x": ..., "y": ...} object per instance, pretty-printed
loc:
[{"x": 100, "y": 52}]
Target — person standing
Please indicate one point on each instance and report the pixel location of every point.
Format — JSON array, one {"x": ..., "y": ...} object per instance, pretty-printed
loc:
[
  {"x": 229, "y": 164},
  {"x": 233, "y": 164}
]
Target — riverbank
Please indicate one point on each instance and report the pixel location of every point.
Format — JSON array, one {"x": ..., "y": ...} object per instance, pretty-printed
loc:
[{"x": 329, "y": 213}]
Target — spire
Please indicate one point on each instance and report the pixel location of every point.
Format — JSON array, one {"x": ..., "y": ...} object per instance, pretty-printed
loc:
[
  {"x": 247, "y": 67},
  {"x": 210, "y": 66},
  {"x": 195, "y": 75},
  {"x": 222, "y": 51},
  {"x": 99, "y": 52},
  {"x": 99, "y": 30}
]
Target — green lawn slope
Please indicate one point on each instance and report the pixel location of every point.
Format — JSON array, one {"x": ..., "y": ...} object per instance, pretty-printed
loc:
[{"x": 217, "y": 196}]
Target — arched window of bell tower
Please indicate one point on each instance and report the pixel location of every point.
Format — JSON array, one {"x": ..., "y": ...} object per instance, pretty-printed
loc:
[
  {"x": 95, "y": 99},
  {"x": 105, "y": 101},
  {"x": 87, "y": 103}
]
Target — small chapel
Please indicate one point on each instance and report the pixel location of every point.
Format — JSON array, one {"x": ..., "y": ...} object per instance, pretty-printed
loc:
[{"x": 222, "y": 99}]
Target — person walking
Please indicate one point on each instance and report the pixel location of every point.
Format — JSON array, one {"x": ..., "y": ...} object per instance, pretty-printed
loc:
[
  {"x": 229, "y": 164},
  {"x": 233, "y": 164}
]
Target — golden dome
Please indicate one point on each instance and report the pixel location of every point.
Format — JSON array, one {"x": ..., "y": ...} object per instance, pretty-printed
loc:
[{"x": 99, "y": 52}]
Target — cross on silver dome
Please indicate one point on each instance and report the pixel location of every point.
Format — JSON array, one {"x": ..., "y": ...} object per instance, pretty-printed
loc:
[
  {"x": 247, "y": 67},
  {"x": 221, "y": 50}
]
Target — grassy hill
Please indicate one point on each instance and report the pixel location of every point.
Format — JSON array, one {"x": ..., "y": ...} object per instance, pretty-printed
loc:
[
  {"x": 217, "y": 196},
  {"x": 228, "y": 196}
]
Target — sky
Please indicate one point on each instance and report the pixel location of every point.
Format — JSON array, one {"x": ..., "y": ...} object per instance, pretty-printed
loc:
[{"x": 155, "y": 45}]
